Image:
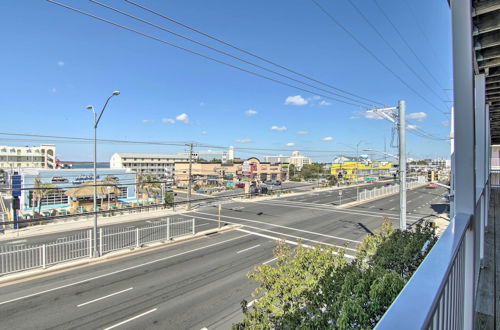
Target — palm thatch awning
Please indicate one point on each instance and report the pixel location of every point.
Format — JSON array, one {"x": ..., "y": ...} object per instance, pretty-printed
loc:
[{"x": 87, "y": 190}]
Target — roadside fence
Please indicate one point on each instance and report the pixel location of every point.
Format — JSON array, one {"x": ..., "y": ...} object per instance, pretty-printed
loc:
[
  {"x": 387, "y": 190},
  {"x": 21, "y": 257}
]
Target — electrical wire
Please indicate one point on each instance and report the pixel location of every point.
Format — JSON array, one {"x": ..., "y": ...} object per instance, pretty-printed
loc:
[
  {"x": 225, "y": 53},
  {"x": 375, "y": 56},
  {"x": 248, "y": 52},
  {"x": 374, "y": 28},
  {"x": 199, "y": 54},
  {"x": 409, "y": 46}
]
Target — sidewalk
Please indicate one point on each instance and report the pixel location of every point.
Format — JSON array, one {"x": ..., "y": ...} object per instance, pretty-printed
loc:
[{"x": 79, "y": 224}]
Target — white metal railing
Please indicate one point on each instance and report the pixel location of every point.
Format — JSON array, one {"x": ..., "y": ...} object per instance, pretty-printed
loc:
[
  {"x": 495, "y": 162},
  {"x": 387, "y": 190},
  {"x": 16, "y": 258},
  {"x": 437, "y": 294}
]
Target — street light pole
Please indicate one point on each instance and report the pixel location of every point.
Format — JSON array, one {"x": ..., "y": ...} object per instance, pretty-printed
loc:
[
  {"x": 189, "y": 175},
  {"x": 96, "y": 122},
  {"x": 402, "y": 165}
]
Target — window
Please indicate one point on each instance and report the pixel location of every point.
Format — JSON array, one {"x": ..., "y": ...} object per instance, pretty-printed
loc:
[{"x": 53, "y": 198}]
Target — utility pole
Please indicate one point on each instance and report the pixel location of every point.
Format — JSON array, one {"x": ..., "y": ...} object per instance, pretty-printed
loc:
[
  {"x": 189, "y": 175},
  {"x": 396, "y": 115},
  {"x": 402, "y": 164}
]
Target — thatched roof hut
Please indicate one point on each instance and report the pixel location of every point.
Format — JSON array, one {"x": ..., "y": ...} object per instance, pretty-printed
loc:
[{"x": 87, "y": 190}]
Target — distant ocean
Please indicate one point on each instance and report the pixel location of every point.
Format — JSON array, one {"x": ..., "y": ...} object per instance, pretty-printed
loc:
[{"x": 89, "y": 165}]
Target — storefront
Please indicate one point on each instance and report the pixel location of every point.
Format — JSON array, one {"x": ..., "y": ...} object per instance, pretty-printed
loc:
[{"x": 55, "y": 183}]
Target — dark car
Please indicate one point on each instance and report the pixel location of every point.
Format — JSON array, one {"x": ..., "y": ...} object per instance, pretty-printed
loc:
[
  {"x": 277, "y": 183},
  {"x": 240, "y": 185}
]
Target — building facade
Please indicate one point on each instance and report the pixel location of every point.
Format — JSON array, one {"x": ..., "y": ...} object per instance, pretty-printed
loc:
[
  {"x": 216, "y": 173},
  {"x": 160, "y": 165},
  {"x": 299, "y": 161},
  {"x": 43, "y": 156},
  {"x": 360, "y": 170},
  {"x": 64, "y": 179}
]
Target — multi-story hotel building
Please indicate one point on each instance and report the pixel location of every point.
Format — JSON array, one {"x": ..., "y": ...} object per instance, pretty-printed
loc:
[
  {"x": 43, "y": 156},
  {"x": 296, "y": 159},
  {"x": 161, "y": 165}
]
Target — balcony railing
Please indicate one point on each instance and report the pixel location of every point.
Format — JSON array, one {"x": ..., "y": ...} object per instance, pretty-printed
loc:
[
  {"x": 438, "y": 296},
  {"x": 495, "y": 162}
]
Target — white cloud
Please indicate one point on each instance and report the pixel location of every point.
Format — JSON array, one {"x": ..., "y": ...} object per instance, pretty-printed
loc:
[
  {"x": 60, "y": 63},
  {"x": 303, "y": 132},
  {"x": 290, "y": 144},
  {"x": 328, "y": 138},
  {"x": 250, "y": 112},
  {"x": 147, "y": 121},
  {"x": 324, "y": 103},
  {"x": 183, "y": 117},
  {"x": 296, "y": 100},
  {"x": 279, "y": 129},
  {"x": 418, "y": 116},
  {"x": 373, "y": 115},
  {"x": 203, "y": 132},
  {"x": 244, "y": 141},
  {"x": 445, "y": 123},
  {"x": 412, "y": 127},
  {"x": 168, "y": 120}
]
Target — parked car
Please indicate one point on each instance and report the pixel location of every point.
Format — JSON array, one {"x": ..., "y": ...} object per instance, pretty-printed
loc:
[
  {"x": 168, "y": 189},
  {"x": 277, "y": 183},
  {"x": 432, "y": 186},
  {"x": 240, "y": 185}
]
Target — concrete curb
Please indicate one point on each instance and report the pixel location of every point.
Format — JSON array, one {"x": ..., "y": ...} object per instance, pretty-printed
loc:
[{"x": 116, "y": 255}]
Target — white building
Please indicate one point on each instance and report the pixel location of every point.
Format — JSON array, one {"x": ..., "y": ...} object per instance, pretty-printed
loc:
[
  {"x": 298, "y": 160},
  {"x": 162, "y": 165},
  {"x": 43, "y": 156},
  {"x": 277, "y": 159}
]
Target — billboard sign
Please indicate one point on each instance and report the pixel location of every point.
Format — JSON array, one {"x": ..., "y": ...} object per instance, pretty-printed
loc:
[{"x": 17, "y": 182}]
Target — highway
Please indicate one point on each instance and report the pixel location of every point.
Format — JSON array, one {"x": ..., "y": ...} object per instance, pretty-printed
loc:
[{"x": 199, "y": 283}]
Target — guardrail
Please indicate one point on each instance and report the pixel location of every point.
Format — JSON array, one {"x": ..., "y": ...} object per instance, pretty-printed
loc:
[
  {"x": 386, "y": 190},
  {"x": 16, "y": 258},
  {"x": 438, "y": 294}
]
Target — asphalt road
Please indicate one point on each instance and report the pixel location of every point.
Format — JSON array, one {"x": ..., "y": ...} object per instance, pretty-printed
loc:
[{"x": 199, "y": 283}]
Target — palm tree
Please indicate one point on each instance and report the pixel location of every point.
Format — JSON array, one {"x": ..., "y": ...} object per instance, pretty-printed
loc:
[
  {"x": 41, "y": 190},
  {"x": 148, "y": 186},
  {"x": 109, "y": 181}
]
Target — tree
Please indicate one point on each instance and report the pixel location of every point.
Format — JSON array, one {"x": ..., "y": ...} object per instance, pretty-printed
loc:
[
  {"x": 148, "y": 186},
  {"x": 318, "y": 288},
  {"x": 169, "y": 198},
  {"x": 40, "y": 191}
]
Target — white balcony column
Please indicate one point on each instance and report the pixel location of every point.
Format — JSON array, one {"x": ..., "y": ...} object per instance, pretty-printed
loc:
[{"x": 464, "y": 139}]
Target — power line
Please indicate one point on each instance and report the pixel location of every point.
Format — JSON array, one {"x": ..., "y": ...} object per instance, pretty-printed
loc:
[
  {"x": 408, "y": 45},
  {"x": 200, "y": 54},
  {"x": 375, "y": 56},
  {"x": 374, "y": 28},
  {"x": 224, "y": 53},
  {"x": 248, "y": 52},
  {"x": 196, "y": 144}
]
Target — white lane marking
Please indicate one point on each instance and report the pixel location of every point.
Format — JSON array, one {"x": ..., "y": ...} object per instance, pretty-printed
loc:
[
  {"x": 251, "y": 303},
  {"x": 279, "y": 233},
  {"x": 285, "y": 227},
  {"x": 391, "y": 209},
  {"x": 323, "y": 207},
  {"x": 120, "y": 270},
  {"x": 269, "y": 261},
  {"x": 252, "y": 247},
  {"x": 287, "y": 241},
  {"x": 131, "y": 319},
  {"x": 107, "y": 296},
  {"x": 391, "y": 200}
]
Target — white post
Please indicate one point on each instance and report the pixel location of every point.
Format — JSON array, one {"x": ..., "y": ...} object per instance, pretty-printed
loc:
[
  {"x": 100, "y": 241},
  {"x": 137, "y": 244},
  {"x": 168, "y": 229},
  {"x": 193, "y": 226},
  {"x": 90, "y": 242},
  {"x": 402, "y": 165},
  {"x": 44, "y": 255}
]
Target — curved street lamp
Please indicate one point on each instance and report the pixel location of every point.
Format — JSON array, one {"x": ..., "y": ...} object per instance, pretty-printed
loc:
[{"x": 96, "y": 122}]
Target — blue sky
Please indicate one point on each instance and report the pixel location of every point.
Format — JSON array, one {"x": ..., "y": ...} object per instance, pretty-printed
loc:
[{"x": 56, "y": 62}]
